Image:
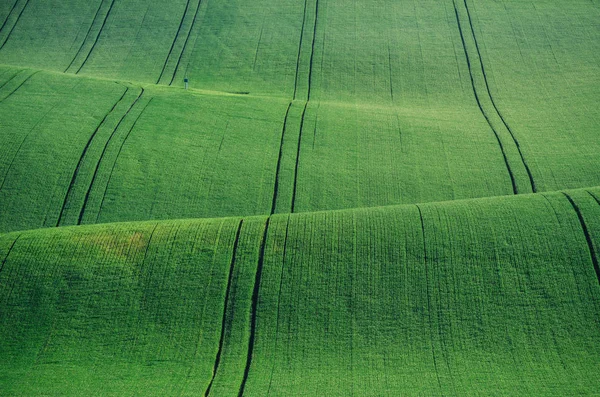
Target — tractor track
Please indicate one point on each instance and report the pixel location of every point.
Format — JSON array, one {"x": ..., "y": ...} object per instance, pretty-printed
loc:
[
  {"x": 83, "y": 153},
  {"x": 295, "y": 188},
  {"x": 87, "y": 194},
  {"x": 225, "y": 307},
  {"x": 251, "y": 341},
  {"x": 97, "y": 36},
  {"x": 187, "y": 6},
  {"x": 8, "y": 252},
  {"x": 186, "y": 42},
  {"x": 86, "y": 36},
  {"x": 586, "y": 232},
  {"x": 117, "y": 157},
  {"x": 15, "y": 24},
  {"x": 276, "y": 186}
]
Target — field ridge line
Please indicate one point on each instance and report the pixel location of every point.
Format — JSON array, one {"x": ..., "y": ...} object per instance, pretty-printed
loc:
[
  {"x": 8, "y": 252},
  {"x": 15, "y": 24},
  {"x": 83, "y": 154},
  {"x": 97, "y": 37},
  {"x": 185, "y": 43},
  {"x": 106, "y": 144},
  {"x": 489, "y": 92},
  {"x": 586, "y": 232},
  {"x": 225, "y": 307},
  {"x": 251, "y": 340},
  {"x": 117, "y": 156},
  {"x": 278, "y": 168}
]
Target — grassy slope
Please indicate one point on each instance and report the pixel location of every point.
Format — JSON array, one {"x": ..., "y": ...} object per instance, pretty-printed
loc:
[{"x": 491, "y": 294}]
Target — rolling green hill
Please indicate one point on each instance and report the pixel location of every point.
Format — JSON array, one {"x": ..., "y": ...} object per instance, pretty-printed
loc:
[{"x": 387, "y": 197}]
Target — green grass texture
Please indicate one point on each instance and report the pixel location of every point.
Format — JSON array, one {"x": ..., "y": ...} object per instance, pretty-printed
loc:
[
  {"x": 488, "y": 296},
  {"x": 350, "y": 198}
]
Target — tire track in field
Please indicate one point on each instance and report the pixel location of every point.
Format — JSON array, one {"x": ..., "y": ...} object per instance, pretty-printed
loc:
[
  {"x": 225, "y": 307},
  {"x": 278, "y": 169},
  {"x": 97, "y": 36},
  {"x": 185, "y": 43},
  {"x": 18, "y": 87},
  {"x": 187, "y": 6},
  {"x": 586, "y": 232},
  {"x": 491, "y": 97},
  {"x": 87, "y": 194},
  {"x": 428, "y": 292},
  {"x": 16, "y": 21},
  {"x": 251, "y": 341},
  {"x": 8, "y": 15},
  {"x": 299, "y": 51},
  {"x": 86, "y": 35},
  {"x": 10, "y": 79},
  {"x": 285, "y": 242},
  {"x": 117, "y": 157},
  {"x": 487, "y": 119},
  {"x": 308, "y": 97},
  {"x": 8, "y": 252},
  {"x": 295, "y": 188},
  {"x": 83, "y": 154}
]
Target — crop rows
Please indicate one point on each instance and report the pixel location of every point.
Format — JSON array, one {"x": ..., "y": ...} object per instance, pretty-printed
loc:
[{"x": 381, "y": 301}]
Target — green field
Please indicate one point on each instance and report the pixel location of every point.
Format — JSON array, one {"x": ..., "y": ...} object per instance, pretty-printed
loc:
[{"x": 377, "y": 198}]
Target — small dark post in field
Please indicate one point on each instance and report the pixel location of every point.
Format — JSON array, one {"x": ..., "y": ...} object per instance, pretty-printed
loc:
[{"x": 186, "y": 81}]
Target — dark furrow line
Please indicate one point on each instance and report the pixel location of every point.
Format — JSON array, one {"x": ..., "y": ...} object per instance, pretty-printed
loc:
[
  {"x": 97, "y": 37},
  {"x": 390, "y": 69},
  {"x": 299, "y": 50},
  {"x": 117, "y": 156},
  {"x": 8, "y": 252},
  {"x": 593, "y": 196},
  {"x": 588, "y": 237},
  {"x": 8, "y": 15},
  {"x": 83, "y": 153},
  {"x": 298, "y": 158},
  {"x": 487, "y": 86},
  {"x": 187, "y": 6},
  {"x": 437, "y": 373},
  {"x": 19, "y": 86},
  {"x": 285, "y": 241},
  {"x": 10, "y": 79},
  {"x": 225, "y": 307},
  {"x": 262, "y": 28},
  {"x": 462, "y": 38},
  {"x": 87, "y": 194},
  {"x": 186, "y": 42},
  {"x": 261, "y": 259},
  {"x": 86, "y": 36},
  {"x": 312, "y": 50},
  {"x": 276, "y": 186},
  {"x": 15, "y": 24}
]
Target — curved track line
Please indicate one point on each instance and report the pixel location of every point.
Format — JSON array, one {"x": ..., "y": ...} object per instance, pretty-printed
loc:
[
  {"x": 19, "y": 86},
  {"x": 276, "y": 186},
  {"x": 186, "y": 42},
  {"x": 487, "y": 86},
  {"x": 8, "y": 252},
  {"x": 15, "y": 24},
  {"x": 462, "y": 38},
  {"x": 87, "y": 194},
  {"x": 83, "y": 153},
  {"x": 117, "y": 157},
  {"x": 8, "y": 15},
  {"x": 187, "y": 6},
  {"x": 225, "y": 307},
  {"x": 588, "y": 237},
  {"x": 259, "y": 268},
  {"x": 299, "y": 51},
  {"x": 97, "y": 37},
  {"x": 298, "y": 158},
  {"x": 86, "y": 36}
]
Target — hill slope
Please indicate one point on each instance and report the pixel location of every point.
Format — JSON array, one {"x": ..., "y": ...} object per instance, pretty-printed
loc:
[{"x": 464, "y": 297}]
